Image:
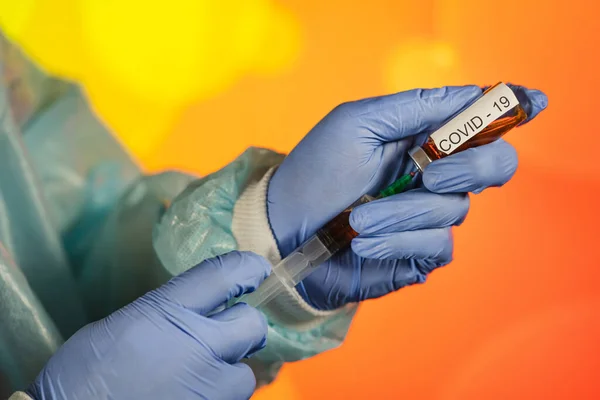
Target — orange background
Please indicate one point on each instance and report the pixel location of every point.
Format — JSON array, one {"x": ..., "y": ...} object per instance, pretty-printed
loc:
[{"x": 517, "y": 314}]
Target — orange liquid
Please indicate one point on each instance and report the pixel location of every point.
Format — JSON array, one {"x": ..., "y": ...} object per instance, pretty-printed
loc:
[
  {"x": 491, "y": 133},
  {"x": 337, "y": 233}
]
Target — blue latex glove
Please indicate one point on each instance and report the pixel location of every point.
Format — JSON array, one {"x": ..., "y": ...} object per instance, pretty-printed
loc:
[
  {"x": 361, "y": 147},
  {"x": 162, "y": 346}
]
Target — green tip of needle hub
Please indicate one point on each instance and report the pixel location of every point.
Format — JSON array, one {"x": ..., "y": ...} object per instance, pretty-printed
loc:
[{"x": 398, "y": 186}]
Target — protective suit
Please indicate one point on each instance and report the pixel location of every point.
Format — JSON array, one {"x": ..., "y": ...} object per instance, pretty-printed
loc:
[{"x": 84, "y": 232}]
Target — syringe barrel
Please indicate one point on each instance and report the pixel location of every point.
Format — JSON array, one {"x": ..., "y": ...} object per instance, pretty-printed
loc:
[
  {"x": 270, "y": 288},
  {"x": 290, "y": 271},
  {"x": 332, "y": 237}
]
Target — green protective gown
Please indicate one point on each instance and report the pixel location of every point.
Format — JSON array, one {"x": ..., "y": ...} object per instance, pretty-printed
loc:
[{"x": 84, "y": 232}]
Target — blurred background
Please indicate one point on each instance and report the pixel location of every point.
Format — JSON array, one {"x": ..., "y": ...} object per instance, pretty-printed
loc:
[{"x": 191, "y": 84}]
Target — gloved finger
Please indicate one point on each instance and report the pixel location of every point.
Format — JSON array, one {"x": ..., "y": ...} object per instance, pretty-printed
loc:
[
  {"x": 393, "y": 117},
  {"x": 429, "y": 244},
  {"x": 381, "y": 277},
  {"x": 374, "y": 278},
  {"x": 538, "y": 101},
  {"x": 413, "y": 210},
  {"x": 240, "y": 331},
  {"x": 216, "y": 281},
  {"x": 239, "y": 382},
  {"x": 472, "y": 170}
]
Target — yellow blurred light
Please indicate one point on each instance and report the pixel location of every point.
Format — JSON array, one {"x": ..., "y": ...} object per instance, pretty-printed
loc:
[
  {"x": 281, "y": 44},
  {"x": 15, "y": 15},
  {"x": 141, "y": 125},
  {"x": 176, "y": 52},
  {"x": 143, "y": 62},
  {"x": 249, "y": 27},
  {"x": 422, "y": 63},
  {"x": 49, "y": 35},
  {"x": 157, "y": 50}
]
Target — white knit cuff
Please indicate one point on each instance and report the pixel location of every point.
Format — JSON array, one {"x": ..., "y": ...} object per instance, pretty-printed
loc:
[
  {"x": 252, "y": 232},
  {"x": 250, "y": 223},
  {"x": 19, "y": 396}
]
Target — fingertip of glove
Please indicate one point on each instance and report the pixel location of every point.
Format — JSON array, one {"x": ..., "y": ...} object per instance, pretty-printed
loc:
[
  {"x": 357, "y": 219},
  {"x": 539, "y": 102},
  {"x": 369, "y": 247},
  {"x": 539, "y": 98},
  {"x": 257, "y": 260},
  {"x": 358, "y": 246},
  {"x": 431, "y": 179},
  {"x": 258, "y": 347}
]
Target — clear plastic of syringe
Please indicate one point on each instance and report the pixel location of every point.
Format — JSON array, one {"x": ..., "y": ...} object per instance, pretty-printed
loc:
[
  {"x": 338, "y": 233},
  {"x": 290, "y": 271},
  {"x": 320, "y": 247}
]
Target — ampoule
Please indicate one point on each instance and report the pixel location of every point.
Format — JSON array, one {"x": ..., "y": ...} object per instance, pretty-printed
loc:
[{"x": 497, "y": 111}]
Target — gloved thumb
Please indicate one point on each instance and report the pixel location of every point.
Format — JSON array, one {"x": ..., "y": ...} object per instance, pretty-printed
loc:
[
  {"x": 216, "y": 280},
  {"x": 397, "y": 116}
]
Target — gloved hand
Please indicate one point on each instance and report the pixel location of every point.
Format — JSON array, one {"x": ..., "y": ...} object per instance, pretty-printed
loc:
[
  {"x": 162, "y": 346},
  {"x": 361, "y": 147}
]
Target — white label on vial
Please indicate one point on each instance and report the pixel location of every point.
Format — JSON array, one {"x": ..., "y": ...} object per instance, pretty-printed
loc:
[{"x": 474, "y": 119}]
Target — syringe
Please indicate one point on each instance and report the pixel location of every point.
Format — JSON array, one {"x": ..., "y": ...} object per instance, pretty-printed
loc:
[
  {"x": 497, "y": 111},
  {"x": 331, "y": 238}
]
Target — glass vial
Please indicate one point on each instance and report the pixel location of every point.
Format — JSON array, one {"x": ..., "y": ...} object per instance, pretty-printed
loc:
[{"x": 498, "y": 110}]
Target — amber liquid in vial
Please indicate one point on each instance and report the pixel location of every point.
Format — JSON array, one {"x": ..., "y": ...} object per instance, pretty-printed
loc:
[
  {"x": 493, "y": 131},
  {"x": 337, "y": 233}
]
